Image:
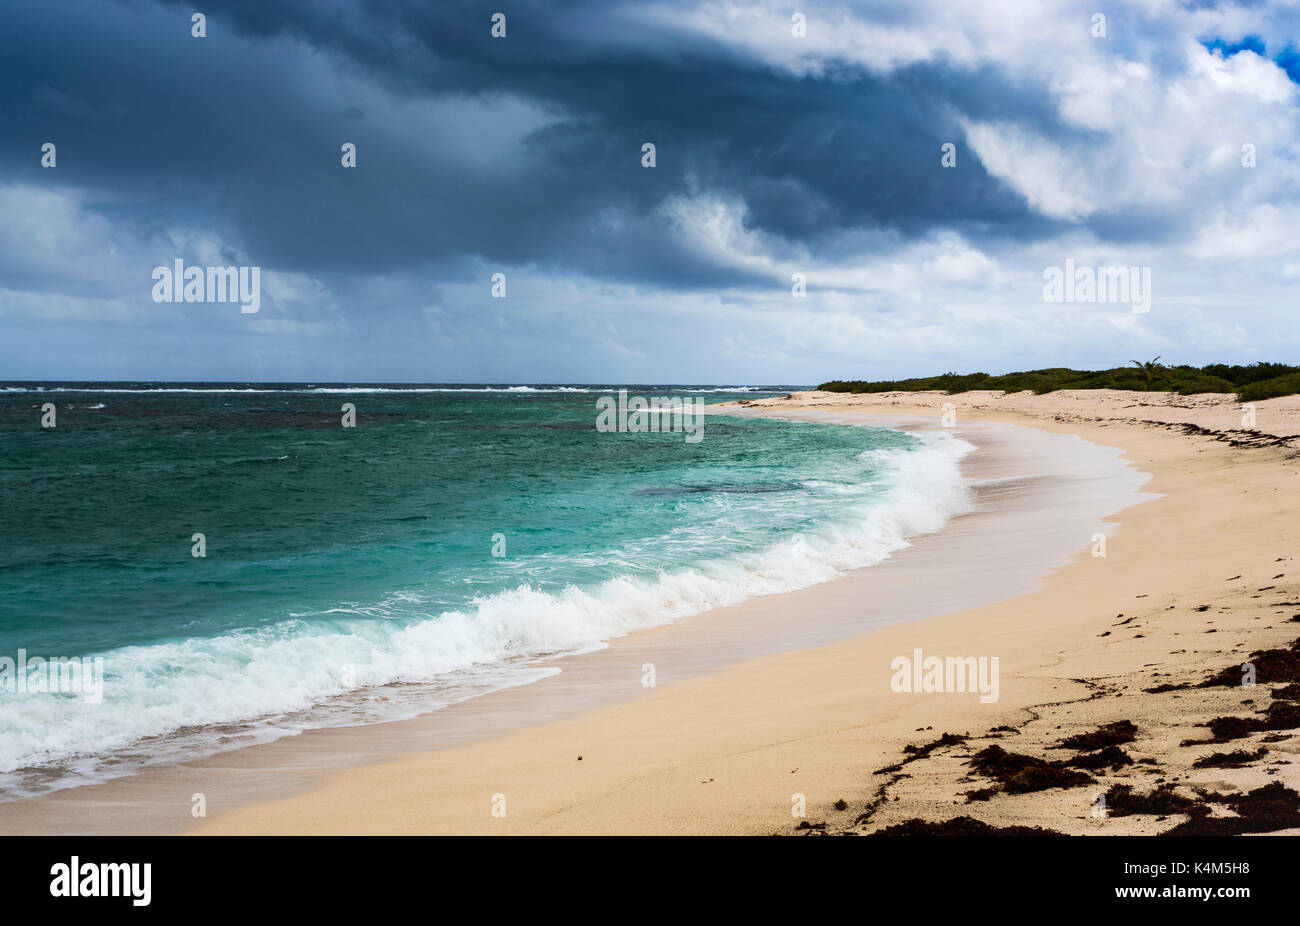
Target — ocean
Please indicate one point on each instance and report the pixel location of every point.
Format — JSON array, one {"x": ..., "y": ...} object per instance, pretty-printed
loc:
[{"x": 439, "y": 549}]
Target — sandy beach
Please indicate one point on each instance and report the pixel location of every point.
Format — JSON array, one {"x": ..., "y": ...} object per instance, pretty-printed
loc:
[
  {"x": 1193, "y": 581},
  {"x": 778, "y": 716}
]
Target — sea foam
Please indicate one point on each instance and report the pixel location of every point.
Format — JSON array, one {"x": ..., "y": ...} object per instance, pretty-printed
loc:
[{"x": 186, "y": 697}]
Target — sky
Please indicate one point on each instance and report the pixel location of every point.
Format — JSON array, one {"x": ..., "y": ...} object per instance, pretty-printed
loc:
[{"x": 793, "y": 141}]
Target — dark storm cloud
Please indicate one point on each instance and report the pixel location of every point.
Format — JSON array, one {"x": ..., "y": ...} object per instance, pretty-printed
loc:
[{"x": 241, "y": 131}]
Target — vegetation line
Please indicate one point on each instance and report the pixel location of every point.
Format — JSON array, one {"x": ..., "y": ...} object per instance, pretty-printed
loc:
[{"x": 1250, "y": 383}]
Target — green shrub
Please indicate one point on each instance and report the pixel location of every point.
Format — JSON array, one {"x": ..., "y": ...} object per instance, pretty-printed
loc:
[
  {"x": 1251, "y": 383},
  {"x": 1270, "y": 388}
]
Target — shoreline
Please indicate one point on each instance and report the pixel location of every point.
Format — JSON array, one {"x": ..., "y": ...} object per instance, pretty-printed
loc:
[
  {"x": 695, "y": 647},
  {"x": 724, "y": 751},
  {"x": 726, "y": 754}
]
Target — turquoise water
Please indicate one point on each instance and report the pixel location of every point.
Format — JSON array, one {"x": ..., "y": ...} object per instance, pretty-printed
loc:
[{"x": 452, "y": 536}]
